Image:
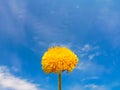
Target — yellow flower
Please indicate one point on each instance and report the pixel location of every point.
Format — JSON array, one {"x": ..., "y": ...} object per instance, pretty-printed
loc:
[{"x": 58, "y": 59}]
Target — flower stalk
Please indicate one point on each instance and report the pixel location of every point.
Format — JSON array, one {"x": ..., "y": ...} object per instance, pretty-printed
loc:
[{"x": 59, "y": 81}]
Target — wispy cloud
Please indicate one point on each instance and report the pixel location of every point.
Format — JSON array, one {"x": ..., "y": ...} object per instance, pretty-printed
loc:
[
  {"x": 93, "y": 86},
  {"x": 11, "y": 23},
  {"x": 88, "y": 51},
  {"x": 88, "y": 87},
  {"x": 91, "y": 68},
  {"x": 10, "y": 82},
  {"x": 18, "y": 8},
  {"x": 87, "y": 64},
  {"x": 91, "y": 56},
  {"x": 48, "y": 31},
  {"x": 108, "y": 21},
  {"x": 90, "y": 78}
]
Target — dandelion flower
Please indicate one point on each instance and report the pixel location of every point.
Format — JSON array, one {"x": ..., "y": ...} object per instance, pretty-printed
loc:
[{"x": 58, "y": 59}]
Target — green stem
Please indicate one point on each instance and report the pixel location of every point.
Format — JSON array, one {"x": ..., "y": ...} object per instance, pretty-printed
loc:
[{"x": 59, "y": 81}]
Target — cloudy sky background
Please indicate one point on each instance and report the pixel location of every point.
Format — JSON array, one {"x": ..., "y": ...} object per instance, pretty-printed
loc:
[{"x": 88, "y": 27}]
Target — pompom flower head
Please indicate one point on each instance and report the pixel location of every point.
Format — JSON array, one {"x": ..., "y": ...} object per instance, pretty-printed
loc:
[{"x": 58, "y": 59}]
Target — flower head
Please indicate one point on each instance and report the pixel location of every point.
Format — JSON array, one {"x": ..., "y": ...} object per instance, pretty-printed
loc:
[{"x": 58, "y": 59}]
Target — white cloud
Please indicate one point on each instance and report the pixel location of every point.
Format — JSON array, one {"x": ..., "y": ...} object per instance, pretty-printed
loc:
[
  {"x": 92, "y": 56},
  {"x": 88, "y": 87},
  {"x": 12, "y": 24},
  {"x": 18, "y": 8},
  {"x": 108, "y": 21},
  {"x": 11, "y": 82},
  {"x": 86, "y": 48},
  {"x": 91, "y": 68},
  {"x": 95, "y": 87},
  {"x": 47, "y": 31},
  {"x": 88, "y": 51},
  {"x": 90, "y": 78}
]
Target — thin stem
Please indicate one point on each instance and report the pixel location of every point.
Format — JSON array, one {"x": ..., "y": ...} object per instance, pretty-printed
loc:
[{"x": 59, "y": 81}]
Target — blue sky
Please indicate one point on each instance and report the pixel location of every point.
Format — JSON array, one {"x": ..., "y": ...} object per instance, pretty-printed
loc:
[{"x": 88, "y": 27}]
